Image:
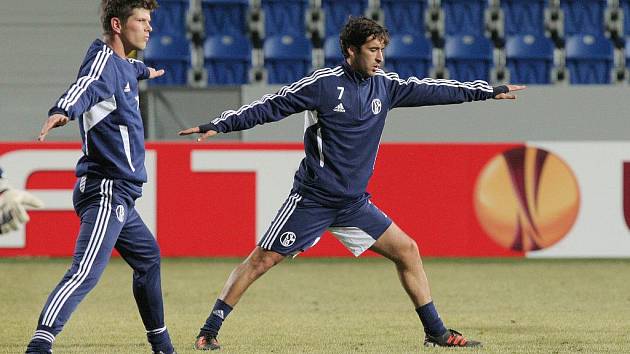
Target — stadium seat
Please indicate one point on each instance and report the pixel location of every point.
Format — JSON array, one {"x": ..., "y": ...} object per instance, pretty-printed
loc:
[
  {"x": 583, "y": 16},
  {"x": 464, "y": 17},
  {"x": 625, "y": 7},
  {"x": 529, "y": 58},
  {"x": 227, "y": 59},
  {"x": 589, "y": 59},
  {"x": 170, "y": 17},
  {"x": 171, "y": 53},
  {"x": 524, "y": 16},
  {"x": 336, "y": 13},
  {"x": 404, "y": 16},
  {"x": 284, "y": 16},
  {"x": 287, "y": 58},
  {"x": 225, "y": 16},
  {"x": 332, "y": 52},
  {"x": 409, "y": 55},
  {"x": 468, "y": 58}
]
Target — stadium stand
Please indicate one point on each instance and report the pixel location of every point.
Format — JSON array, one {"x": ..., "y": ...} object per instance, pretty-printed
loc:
[
  {"x": 171, "y": 53},
  {"x": 529, "y": 58},
  {"x": 170, "y": 17},
  {"x": 624, "y": 6},
  {"x": 284, "y": 16},
  {"x": 589, "y": 59},
  {"x": 583, "y": 16},
  {"x": 409, "y": 55},
  {"x": 404, "y": 16},
  {"x": 524, "y": 16},
  {"x": 332, "y": 51},
  {"x": 225, "y": 16},
  {"x": 336, "y": 13},
  {"x": 464, "y": 17},
  {"x": 468, "y": 58},
  {"x": 227, "y": 59},
  {"x": 287, "y": 58},
  {"x": 511, "y": 38}
]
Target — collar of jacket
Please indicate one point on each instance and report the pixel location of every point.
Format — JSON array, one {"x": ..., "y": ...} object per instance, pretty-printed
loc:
[{"x": 354, "y": 75}]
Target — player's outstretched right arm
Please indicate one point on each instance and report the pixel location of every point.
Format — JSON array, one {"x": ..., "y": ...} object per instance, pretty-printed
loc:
[
  {"x": 205, "y": 134},
  {"x": 294, "y": 98},
  {"x": 13, "y": 203}
]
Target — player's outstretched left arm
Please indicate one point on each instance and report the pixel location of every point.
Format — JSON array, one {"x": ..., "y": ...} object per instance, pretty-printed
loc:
[
  {"x": 508, "y": 95},
  {"x": 13, "y": 204},
  {"x": 54, "y": 121}
]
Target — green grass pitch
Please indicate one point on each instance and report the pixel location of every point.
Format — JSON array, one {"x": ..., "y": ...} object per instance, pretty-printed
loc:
[{"x": 339, "y": 306}]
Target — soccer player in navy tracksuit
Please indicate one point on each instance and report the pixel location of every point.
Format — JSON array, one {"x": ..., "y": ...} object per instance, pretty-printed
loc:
[
  {"x": 110, "y": 175},
  {"x": 346, "y": 110}
]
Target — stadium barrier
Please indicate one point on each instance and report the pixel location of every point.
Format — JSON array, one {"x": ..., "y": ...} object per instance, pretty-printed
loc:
[{"x": 534, "y": 199}]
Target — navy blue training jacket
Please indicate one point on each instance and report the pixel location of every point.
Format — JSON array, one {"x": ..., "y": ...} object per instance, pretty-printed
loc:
[
  {"x": 105, "y": 100},
  {"x": 344, "y": 122}
]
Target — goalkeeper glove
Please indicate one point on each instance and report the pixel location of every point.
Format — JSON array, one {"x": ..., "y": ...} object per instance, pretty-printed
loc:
[{"x": 13, "y": 203}]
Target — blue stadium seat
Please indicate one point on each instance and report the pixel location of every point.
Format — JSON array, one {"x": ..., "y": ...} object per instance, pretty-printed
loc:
[
  {"x": 170, "y": 17},
  {"x": 529, "y": 59},
  {"x": 227, "y": 59},
  {"x": 524, "y": 16},
  {"x": 287, "y": 58},
  {"x": 332, "y": 52},
  {"x": 225, "y": 16},
  {"x": 171, "y": 53},
  {"x": 583, "y": 16},
  {"x": 625, "y": 8},
  {"x": 468, "y": 58},
  {"x": 404, "y": 16},
  {"x": 464, "y": 17},
  {"x": 409, "y": 55},
  {"x": 589, "y": 59},
  {"x": 284, "y": 16},
  {"x": 336, "y": 13}
]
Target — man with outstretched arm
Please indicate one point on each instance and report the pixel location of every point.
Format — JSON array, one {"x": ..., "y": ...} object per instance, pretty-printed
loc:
[
  {"x": 346, "y": 110},
  {"x": 110, "y": 175}
]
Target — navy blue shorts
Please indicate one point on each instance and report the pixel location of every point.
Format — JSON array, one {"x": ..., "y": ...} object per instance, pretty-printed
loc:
[{"x": 301, "y": 222}]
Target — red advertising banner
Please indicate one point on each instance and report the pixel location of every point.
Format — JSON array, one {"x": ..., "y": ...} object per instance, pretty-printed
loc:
[{"x": 212, "y": 200}]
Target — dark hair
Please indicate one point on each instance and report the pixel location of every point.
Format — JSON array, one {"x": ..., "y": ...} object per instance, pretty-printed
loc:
[
  {"x": 356, "y": 32},
  {"x": 122, "y": 9}
]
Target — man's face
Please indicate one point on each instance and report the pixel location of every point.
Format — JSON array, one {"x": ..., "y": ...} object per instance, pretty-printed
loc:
[
  {"x": 135, "y": 32},
  {"x": 368, "y": 58}
]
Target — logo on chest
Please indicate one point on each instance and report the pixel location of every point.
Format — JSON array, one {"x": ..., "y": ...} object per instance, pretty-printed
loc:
[
  {"x": 376, "y": 106},
  {"x": 340, "y": 108}
]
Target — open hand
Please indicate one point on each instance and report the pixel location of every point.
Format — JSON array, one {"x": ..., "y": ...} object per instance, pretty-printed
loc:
[
  {"x": 54, "y": 121},
  {"x": 509, "y": 95},
  {"x": 155, "y": 73},
  {"x": 195, "y": 130}
]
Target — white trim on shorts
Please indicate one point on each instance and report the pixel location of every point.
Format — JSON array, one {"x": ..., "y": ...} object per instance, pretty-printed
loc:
[{"x": 356, "y": 240}]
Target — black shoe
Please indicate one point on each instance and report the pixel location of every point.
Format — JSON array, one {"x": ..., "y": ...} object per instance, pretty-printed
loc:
[
  {"x": 206, "y": 342},
  {"x": 161, "y": 352},
  {"x": 451, "y": 338}
]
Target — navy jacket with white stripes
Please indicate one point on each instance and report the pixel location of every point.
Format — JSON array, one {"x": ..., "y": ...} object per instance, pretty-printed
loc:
[
  {"x": 345, "y": 118},
  {"x": 105, "y": 100}
]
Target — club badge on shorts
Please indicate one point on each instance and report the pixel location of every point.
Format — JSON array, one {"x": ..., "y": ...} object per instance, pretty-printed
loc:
[{"x": 287, "y": 239}]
